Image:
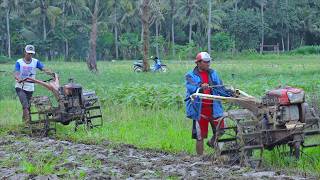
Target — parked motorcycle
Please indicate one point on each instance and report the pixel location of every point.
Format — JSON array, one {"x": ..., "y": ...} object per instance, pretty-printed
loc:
[{"x": 156, "y": 67}]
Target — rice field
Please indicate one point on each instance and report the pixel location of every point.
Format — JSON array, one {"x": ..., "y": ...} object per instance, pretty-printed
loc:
[{"x": 147, "y": 109}]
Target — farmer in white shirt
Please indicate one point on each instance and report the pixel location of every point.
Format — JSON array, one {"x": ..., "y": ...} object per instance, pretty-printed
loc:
[{"x": 26, "y": 68}]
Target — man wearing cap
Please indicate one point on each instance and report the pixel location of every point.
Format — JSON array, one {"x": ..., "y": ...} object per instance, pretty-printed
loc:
[
  {"x": 26, "y": 68},
  {"x": 203, "y": 112}
]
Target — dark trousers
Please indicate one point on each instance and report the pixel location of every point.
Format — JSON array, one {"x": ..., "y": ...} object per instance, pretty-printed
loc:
[{"x": 24, "y": 97}]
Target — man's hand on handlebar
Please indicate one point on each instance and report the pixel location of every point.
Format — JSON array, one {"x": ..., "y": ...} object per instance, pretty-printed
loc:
[
  {"x": 29, "y": 80},
  {"x": 49, "y": 72},
  {"x": 204, "y": 85},
  {"x": 19, "y": 80}
]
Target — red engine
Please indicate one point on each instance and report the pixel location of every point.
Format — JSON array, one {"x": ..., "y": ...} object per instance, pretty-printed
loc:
[
  {"x": 287, "y": 95},
  {"x": 289, "y": 103}
]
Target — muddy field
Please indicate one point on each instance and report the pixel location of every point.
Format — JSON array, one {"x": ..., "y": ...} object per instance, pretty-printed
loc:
[{"x": 107, "y": 161}]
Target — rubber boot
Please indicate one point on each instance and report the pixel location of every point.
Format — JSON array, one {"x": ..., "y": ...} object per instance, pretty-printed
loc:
[
  {"x": 26, "y": 117},
  {"x": 210, "y": 142}
]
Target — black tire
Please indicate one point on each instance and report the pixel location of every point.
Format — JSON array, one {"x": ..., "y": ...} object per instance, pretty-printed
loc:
[
  {"x": 137, "y": 69},
  {"x": 164, "y": 68}
]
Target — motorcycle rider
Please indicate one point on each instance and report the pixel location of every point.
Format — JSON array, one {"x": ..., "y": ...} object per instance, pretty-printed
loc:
[{"x": 157, "y": 63}]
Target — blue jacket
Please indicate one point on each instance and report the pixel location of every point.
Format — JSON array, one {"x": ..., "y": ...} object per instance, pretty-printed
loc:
[{"x": 193, "y": 82}]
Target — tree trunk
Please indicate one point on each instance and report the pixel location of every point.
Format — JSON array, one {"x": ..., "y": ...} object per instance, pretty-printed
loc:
[
  {"x": 44, "y": 27},
  {"x": 145, "y": 18},
  {"x": 301, "y": 41},
  {"x": 92, "y": 59},
  {"x": 287, "y": 27},
  {"x": 43, "y": 14},
  {"x": 288, "y": 41},
  {"x": 116, "y": 31},
  {"x": 172, "y": 38},
  {"x": 157, "y": 39},
  {"x": 209, "y": 27},
  {"x": 66, "y": 49},
  {"x": 236, "y": 6},
  {"x": 282, "y": 42},
  {"x": 141, "y": 32},
  {"x": 262, "y": 28},
  {"x": 8, "y": 32},
  {"x": 66, "y": 46},
  {"x": 116, "y": 41},
  {"x": 172, "y": 27},
  {"x": 190, "y": 32}
]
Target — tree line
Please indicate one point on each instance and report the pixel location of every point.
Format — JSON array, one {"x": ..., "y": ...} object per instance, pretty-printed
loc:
[{"x": 117, "y": 29}]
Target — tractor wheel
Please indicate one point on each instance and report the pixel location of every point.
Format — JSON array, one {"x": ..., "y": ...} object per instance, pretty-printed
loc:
[
  {"x": 137, "y": 69},
  {"x": 250, "y": 136},
  {"x": 41, "y": 116},
  {"x": 225, "y": 144}
]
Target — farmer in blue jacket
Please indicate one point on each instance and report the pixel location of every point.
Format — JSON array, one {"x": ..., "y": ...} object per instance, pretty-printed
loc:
[{"x": 203, "y": 112}]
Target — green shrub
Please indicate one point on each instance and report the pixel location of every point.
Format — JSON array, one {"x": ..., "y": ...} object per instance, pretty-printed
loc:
[
  {"x": 148, "y": 95},
  {"x": 186, "y": 52},
  {"x": 221, "y": 42},
  {"x": 4, "y": 59},
  {"x": 305, "y": 50},
  {"x": 130, "y": 44}
]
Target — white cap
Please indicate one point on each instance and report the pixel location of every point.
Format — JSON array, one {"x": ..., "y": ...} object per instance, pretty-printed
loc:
[
  {"x": 204, "y": 56},
  {"x": 30, "y": 49}
]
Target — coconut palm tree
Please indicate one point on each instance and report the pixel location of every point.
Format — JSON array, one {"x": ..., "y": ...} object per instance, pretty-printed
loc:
[
  {"x": 46, "y": 13},
  {"x": 190, "y": 11},
  {"x": 215, "y": 17},
  {"x": 10, "y": 7},
  {"x": 119, "y": 10},
  {"x": 173, "y": 12},
  {"x": 157, "y": 9},
  {"x": 262, "y": 4},
  {"x": 72, "y": 14}
]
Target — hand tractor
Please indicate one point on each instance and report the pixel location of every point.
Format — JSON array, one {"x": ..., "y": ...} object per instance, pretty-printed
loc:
[
  {"x": 280, "y": 118},
  {"x": 72, "y": 104}
]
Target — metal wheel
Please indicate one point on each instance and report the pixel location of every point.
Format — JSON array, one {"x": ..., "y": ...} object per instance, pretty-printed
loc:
[
  {"x": 92, "y": 111},
  {"x": 41, "y": 111},
  {"x": 85, "y": 122},
  {"x": 250, "y": 136},
  {"x": 226, "y": 144}
]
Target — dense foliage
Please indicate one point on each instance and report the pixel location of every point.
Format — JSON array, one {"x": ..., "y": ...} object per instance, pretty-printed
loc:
[{"x": 61, "y": 28}]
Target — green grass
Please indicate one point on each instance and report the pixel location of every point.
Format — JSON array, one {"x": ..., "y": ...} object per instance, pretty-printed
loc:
[
  {"x": 157, "y": 129},
  {"x": 147, "y": 109}
]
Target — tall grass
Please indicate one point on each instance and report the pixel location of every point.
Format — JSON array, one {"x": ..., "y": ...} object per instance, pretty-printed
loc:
[{"x": 147, "y": 110}]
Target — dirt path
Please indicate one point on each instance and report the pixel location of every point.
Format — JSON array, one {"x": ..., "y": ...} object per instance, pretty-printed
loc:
[{"x": 63, "y": 159}]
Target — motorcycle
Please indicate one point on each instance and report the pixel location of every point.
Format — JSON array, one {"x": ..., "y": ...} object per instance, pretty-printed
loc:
[{"x": 156, "y": 67}]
